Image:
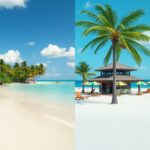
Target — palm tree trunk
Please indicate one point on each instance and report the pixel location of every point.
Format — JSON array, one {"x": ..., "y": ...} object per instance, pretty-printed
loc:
[
  {"x": 83, "y": 78},
  {"x": 139, "y": 89},
  {"x": 83, "y": 91},
  {"x": 114, "y": 97}
]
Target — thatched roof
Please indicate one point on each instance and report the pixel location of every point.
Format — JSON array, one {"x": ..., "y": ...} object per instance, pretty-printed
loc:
[
  {"x": 118, "y": 67},
  {"x": 118, "y": 78}
]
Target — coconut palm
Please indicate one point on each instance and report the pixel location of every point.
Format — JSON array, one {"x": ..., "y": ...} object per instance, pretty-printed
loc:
[
  {"x": 122, "y": 35},
  {"x": 24, "y": 64},
  {"x": 19, "y": 72},
  {"x": 85, "y": 71},
  {"x": 41, "y": 69},
  {"x": 33, "y": 71},
  {"x": 16, "y": 65},
  {"x": 5, "y": 72},
  {"x": 5, "y": 67}
]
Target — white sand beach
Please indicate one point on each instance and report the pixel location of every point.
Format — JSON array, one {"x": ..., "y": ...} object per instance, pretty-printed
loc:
[
  {"x": 30, "y": 125},
  {"x": 125, "y": 126}
]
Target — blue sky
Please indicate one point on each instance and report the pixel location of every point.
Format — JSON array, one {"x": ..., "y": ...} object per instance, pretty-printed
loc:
[
  {"x": 122, "y": 8},
  {"x": 39, "y": 32}
]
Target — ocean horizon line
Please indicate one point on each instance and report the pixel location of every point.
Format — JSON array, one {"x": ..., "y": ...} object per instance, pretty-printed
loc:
[{"x": 55, "y": 80}]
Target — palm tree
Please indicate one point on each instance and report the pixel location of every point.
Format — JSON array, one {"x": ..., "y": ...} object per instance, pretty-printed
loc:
[
  {"x": 16, "y": 65},
  {"x": 5, "y": 72},
  {"x": 119, "y": 35},
  {"x": 33, "y": 71},
  {"x": 5, "y": 67},
  {"x": 41, "y": 69},
  {"x": 84, "y": 70},
  {"x": 38, "y": 70},
  {"x": 24, "y": 64},
  {"x": 19, "y": 72}
]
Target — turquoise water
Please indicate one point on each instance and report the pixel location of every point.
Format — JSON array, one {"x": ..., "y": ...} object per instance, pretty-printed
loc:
[
  {"x": 78, "y": 84},
  {"x": 49, "y": 91}
]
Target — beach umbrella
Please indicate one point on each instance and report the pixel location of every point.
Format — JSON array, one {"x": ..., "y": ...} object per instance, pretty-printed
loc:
[
  {"x": 93, "y": 83},
  {"x": 121, "y": 83},
  {"x": 87, "y": 83},
  {"x": 139, "y": 85},
  {"x": 96, "y": 83},
  {"x": 99, "y": 84}
]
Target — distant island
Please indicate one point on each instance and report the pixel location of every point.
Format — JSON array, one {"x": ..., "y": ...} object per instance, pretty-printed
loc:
[{"x": 19, "y": 72}]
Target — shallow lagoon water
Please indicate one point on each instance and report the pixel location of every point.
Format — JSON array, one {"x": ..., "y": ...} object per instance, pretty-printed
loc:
[{"x": 61, "y": 92}]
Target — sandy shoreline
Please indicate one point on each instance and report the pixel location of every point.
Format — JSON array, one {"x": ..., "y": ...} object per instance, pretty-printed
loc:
[
  {"x": 124, "y": 126},
  {"x": 30, "y": 125}
]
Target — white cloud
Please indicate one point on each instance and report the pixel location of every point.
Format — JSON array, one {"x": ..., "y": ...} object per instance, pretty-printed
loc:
[
  {"x": 9, "y": 4},
  {"x": 32, "y": 43},
  {"x": 55, "y": 51},
  {"x": 12, "y": 56},
  {"x": 71, "y": 64},
  {"x": 88, "y": 4}
]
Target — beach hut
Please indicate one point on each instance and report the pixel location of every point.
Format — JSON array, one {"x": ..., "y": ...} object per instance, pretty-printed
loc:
[{"x": 123, "y": 74}]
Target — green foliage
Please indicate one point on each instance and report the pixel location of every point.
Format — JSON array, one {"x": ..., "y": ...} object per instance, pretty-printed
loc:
[
  {"x": 84, "y": 70},
  {"x": 124, "y": 34},
  {"x": 4, "y": 78},
  {"x": 19, "y": 72}
]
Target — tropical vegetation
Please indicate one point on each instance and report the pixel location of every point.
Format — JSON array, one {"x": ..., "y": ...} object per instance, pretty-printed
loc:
[
  {"x": 19, "y": 72},
  {"x": 119, "y": 35},
  {"x": 84, "y": 70}
]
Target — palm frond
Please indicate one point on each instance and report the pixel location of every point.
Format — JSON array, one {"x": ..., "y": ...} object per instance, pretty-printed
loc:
[
  {"x": 134, "y": 54},
  {"x": 107, "y": 57},
  {"x": 101, "y": 44},
  {"x": 104, "y": 21},
  {"x": 90, "y": 74},
  {"x": 86, "y": 24},
  {"x": 83, "y": 69},
  {"x": 138, "y": 36},
  {"x": 93, "y": 42},
  {"x": 98, "y": 29},
  {"x": 130, "y": 18},
  {"x": 139, "y": 47},
  {"x": 112, "y": 15},
  {"x": 140, "y": 28},
  {"x": 103, "y": 11},
  {"x": 91, "y": 15}
]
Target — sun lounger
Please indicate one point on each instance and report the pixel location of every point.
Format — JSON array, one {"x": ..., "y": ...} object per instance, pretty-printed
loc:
[
  {"x": 146, "y": 92},
  {"x": 78, "y": 96},
  {"x": 96, "y": 94}
]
